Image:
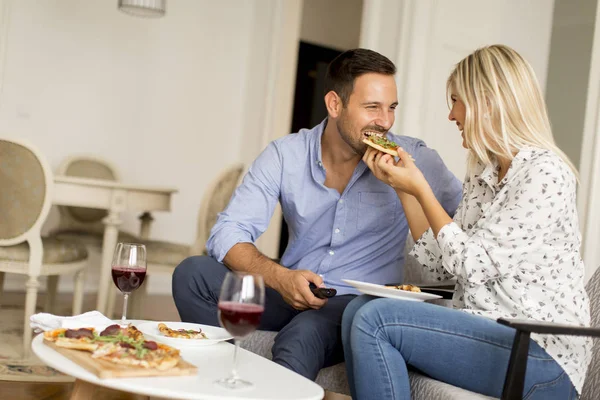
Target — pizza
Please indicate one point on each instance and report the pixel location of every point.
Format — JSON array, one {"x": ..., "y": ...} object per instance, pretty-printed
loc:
[
  {"x": 146, "y": 354},
  {"x": 77, "y": 339},
  {"x": 380, "y": 142},
  {"x": 124, "y": 346},
  {"x": 408, "y": 288},
  {"x": 181, "y": 333}
]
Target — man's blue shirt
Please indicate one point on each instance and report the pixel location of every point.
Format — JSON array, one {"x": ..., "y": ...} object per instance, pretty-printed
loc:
[{"x": 358, "y": 235}]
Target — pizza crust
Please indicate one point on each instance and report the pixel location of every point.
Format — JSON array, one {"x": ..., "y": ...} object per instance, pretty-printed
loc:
[{"x": 76, "y": 344}]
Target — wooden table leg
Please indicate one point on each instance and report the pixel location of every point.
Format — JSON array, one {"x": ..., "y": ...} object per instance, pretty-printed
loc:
[
  {"x": 138, "y": 297},
  {"x": 87, "y": 391},
  {"x": 146, "y": 221}
]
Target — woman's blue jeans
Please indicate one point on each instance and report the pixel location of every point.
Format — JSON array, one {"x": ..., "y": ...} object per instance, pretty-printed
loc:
[{"x": 384, "y": 337}]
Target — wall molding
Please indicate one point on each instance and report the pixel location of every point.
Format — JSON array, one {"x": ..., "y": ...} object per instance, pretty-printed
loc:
[
  {"x": 589, "y": 191},
  {"x": 276, "y": 96}
]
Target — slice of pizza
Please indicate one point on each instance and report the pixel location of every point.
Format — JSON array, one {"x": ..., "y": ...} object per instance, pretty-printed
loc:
[
  {"x": 181, "y": 333},
  {"x": 408, "y": 288},
  {"x": 77, "y": 339},
  {"x": 145, "y": 354},
  {"x": 116, "y": 344},
  {"x": 380, "y": 142}
]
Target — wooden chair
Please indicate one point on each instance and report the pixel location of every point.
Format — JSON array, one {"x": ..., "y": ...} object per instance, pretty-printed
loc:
[{"x": 25, "y": 199}]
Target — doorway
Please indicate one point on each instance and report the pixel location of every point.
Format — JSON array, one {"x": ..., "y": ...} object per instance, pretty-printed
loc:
[{"x": 309, "y": 107}]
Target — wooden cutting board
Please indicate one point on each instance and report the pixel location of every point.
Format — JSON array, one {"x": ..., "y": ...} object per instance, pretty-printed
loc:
[{"x": 105, "y": 369}]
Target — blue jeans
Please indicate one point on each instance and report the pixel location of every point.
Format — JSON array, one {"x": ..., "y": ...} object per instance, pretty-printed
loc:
[{"x": 384, "y": 337}]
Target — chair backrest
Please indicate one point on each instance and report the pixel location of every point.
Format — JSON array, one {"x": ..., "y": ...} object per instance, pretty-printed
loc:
[
  {"x": 591, "y": 387},
  {"x": 214, "y": 201},
  {"x": 26, "y": 184},
  {"x": 84, "y": 166}
]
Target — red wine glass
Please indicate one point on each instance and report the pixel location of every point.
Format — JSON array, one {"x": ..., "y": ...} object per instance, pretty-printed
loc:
[
  {"x": 128, "y": 270},
  {"x": 241, "y": 305}
]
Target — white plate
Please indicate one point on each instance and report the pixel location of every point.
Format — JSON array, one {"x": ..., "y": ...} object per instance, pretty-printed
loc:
[
  {"x": 214, "y": 334},
  {"x": 386, "y": 291}
]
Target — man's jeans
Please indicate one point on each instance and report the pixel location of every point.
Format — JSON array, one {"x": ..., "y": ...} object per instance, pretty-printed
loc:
[
  {"x": 384, "y": 337},
  {"x": 307, "y": 340}
]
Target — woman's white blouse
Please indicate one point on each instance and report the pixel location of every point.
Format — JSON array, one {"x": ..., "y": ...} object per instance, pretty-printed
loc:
[{"x": 514, "y": 249}]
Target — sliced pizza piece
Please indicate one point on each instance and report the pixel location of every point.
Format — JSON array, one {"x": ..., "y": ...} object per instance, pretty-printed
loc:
[
  {"x": 181, "y": 333},
  {"x": 381, "y": 143},
  {"x": 77, "y": 339},
  {"x": 146, "y": 354},
  {"x": 408, "y": 288}
]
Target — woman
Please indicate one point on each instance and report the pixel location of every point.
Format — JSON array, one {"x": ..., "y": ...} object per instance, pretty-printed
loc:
[{"x": 513, "y": 247}]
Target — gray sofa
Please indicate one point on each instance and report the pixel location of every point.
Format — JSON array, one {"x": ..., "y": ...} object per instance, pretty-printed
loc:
[{"x": 422, "y": 387}]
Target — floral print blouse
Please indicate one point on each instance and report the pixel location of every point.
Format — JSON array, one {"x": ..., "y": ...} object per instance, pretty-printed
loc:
[{"x": 514, "y": 250}]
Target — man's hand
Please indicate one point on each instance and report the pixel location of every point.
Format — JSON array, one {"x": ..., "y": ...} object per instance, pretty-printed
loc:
[{"x": 293, "y": 285}]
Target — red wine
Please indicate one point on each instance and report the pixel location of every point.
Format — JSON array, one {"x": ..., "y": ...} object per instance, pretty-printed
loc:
[
  {"x": 128, "y": 279},
  {"x": 240, "y": 319}
]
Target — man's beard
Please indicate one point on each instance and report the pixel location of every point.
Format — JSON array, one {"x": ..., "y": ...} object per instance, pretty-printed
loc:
[{"x": 345, "y": 130}]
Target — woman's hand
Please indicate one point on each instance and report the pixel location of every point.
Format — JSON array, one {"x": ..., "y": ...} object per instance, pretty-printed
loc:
[{"x": 402, "y": 175}]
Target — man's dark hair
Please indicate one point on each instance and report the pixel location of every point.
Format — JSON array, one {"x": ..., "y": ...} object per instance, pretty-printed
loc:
[{"x": 351, "y": 64}]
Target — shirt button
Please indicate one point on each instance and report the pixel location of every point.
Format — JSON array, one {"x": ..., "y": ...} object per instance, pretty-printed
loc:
[
  {"x": 336, "y": 230},
  {"x": 320, "y": 163},
  {"x": 340, "y": 201},
  {"x": 331, "y": 252}
]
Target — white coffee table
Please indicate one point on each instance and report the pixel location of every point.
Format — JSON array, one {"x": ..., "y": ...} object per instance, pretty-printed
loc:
[{"x": 271, "y": 381}]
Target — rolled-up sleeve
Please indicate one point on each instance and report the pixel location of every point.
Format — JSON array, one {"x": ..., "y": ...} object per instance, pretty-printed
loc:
[{"x": 251, "y": 207}]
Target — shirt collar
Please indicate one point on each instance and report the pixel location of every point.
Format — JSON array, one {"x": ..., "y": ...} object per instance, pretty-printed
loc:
[
  {"x": 319, "y": 129},
  {"x": 489, "y": 175},
  {"x": 490, "y": 172}
]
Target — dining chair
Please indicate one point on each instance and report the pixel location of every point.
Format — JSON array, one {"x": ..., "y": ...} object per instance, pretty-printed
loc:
[
  {"x": 25, "y": 199},
  {"x": 163, "y": 256},
  {"x": 80, "y": 223}
]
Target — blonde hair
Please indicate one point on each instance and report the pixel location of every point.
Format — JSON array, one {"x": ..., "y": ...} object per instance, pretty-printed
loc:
[{"x": 505, "y": 110}]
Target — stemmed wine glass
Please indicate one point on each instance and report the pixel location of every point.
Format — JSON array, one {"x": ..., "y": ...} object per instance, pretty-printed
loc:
[
  {"x": 128, "y": 270},
  {"x": 241, "y": 304}
]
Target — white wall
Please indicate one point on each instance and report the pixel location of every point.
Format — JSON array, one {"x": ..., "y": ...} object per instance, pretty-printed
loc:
[
  {"x": 331, "y": 23},
  {"x": 426, "y": 38},
  {"x": 168, "y": 101},
  {"x": 568, "y": 72},
  {"x": 150, "y": 95}
]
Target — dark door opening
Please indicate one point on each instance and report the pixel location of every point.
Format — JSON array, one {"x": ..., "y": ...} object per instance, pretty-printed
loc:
[{"x": 309, "y": 107}]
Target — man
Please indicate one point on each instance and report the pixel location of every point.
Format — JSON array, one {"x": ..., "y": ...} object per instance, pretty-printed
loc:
[{"x": 343, "y": 222}]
